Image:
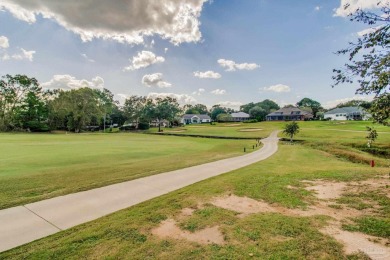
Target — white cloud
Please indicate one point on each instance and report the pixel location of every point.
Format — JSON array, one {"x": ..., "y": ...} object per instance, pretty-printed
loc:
[
  {"x": 354, "y": 5},
  {"x": 5, "y": 55},
  {"x": 4, "y": 42},
  {"x": 151, "y": 80},
  {"x": 67, "y": 82},
  {"x": 166, "y": 50},
  {"x": 181, "y": 98},
  {"x": 126, "y": 21},
  {"x": 121, "y": 98},
  {"x": 144, "y": 59},
  {"x": 333, "y": 103},
  {"x": 317, "y": 8},
  {"x": 368, "y": 31},
  {"x": 22, "y": 55},
  {"x": 207, "y": 75},
  {"x": 230, "y": 65},
  {"x": 278, "y": 88},
  {"x": 199, "y": 92},
  {"x": 218, "y": 92},
  {"x": 231, "y": 104},
  {"x": 87, "y": 58}
]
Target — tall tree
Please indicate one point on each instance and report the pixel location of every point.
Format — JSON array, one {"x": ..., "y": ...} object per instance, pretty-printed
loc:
[
  {"x": 258, "y": 113},
  {"x": 314, "y": 105},
  {"x": 369, "y": 61},
  {"x": 77, "y": 108},
  {"x": 216, "y": 110},
  {"x": 196, "y": 109},
  {"x": 134, "y": 108},
  {"x": 17, "y": 94},
  {"x": 161, "y": 109}
]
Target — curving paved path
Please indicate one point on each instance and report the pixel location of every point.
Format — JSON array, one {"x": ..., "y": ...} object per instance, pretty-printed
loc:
[{"x": 23, "y": 224}]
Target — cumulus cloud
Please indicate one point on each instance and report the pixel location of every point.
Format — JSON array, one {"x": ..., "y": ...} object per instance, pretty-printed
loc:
[
  {"x": 230, "y": 65},
  {"x": 199, "y": 92},
  {"x": 207, "y": 75},
  {"x": 144, "y": 59},
  {"x": 153, "y": 80},
  {"x": 126, "y": 21},
  {"x": 166, "y": 50},
  {"x": 4, "y": 44},
  {"x": 317, "y": 8},
  {"x": 354, "y": 5},
  {"x": 21, "y": 55},
  {"x": 181, "y": 98},
  {"x": 333, "y": 103},
  {"x": 278, "y": 88},
  {"x": 68, "y": 82},
  {"x": 230, "y": 104},
  {"x": 218, "y": 92}
]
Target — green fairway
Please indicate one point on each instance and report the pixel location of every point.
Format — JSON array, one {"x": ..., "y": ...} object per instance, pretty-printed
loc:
[
  {"x": 128, "y": 233},
  {"x": 38, "y": 166}
]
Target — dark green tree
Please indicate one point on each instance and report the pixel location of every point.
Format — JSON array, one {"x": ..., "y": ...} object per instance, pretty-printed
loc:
[
  {"x": 20, "y": 99},
  {"x": 216, "y": 110},
  {"x": 369, "y": 61},
  {"x": 315, "y": 106},
  {"x": 134, "y": 108},
  {"x": 258, "y": 113}
]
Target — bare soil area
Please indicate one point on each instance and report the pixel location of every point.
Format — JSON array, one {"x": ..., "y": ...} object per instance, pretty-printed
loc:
[{"x": 251, "y": 130}]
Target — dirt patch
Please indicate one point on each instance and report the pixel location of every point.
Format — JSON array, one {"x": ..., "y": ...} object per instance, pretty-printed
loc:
[
  {"x": 242, "y": 205},
  {"x": 327, "y": 190},
  {"x": 354, "y": 242},
  {"x": 233, "y": 125},
  {"x": 251, "y": 130},
  {"x": 169, "y": 229}
]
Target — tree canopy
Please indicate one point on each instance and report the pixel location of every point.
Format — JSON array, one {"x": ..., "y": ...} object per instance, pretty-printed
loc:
[
  {"x": 315, "y": 106},
  {"x": 369, "y": 61}
]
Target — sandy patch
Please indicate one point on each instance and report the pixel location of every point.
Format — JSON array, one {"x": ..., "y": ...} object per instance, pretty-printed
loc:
[
  {"x": 242, "y": 205},
  {"x": 251, "y": 130},
  {"x": 354, "y": 242},
  {"x": 169, "y": 229},
  {"x": 233, "y": 125},
  {"x": 327, "y": 190}
]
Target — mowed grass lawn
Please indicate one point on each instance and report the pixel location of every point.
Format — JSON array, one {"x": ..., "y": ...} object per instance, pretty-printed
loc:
[
  {"x": 38, "y": 166},
  {"x": 128, "y": 234}
]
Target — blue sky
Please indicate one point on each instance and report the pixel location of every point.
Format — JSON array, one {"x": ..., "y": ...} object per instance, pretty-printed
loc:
[{"x": 230, "y": 52}]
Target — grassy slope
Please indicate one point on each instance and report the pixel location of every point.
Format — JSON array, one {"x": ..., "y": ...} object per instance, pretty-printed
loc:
[
  {"x": 127, "y": 234},
  {"x": 38, "y": 166}
]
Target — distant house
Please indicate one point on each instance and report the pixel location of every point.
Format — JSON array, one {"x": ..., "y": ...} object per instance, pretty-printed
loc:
[
  {"x": 195, "y": 119},
  {"x": 240, "y": 117},
  {"x": 289, "y": 114},
  {"x": 346, "y": 113}
]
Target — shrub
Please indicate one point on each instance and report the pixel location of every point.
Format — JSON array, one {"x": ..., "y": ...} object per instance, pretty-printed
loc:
[{"x": 143, "y": 126}]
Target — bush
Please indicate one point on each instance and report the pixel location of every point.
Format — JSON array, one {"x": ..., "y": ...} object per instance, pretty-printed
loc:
[
  {"x": 251, "y": 121},
  {"x": 143, "y": 126},
  {"x": 36, "y": 126}
]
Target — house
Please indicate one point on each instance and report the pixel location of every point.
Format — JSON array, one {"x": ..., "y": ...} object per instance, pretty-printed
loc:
[
  {"x": 346, "y": 113},
  {"x": 240, "y": 117},
  {"x": 195, "y": 119},
  {"x": 289, "y": 114}
]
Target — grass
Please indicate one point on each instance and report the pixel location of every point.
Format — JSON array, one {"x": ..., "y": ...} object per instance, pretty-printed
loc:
[
  {"x": 127, "y": 234},
  {"x": 39, "y": 166}
]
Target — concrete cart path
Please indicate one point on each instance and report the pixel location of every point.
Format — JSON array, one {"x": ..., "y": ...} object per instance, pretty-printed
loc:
[{"x": 23, "y": 224}]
